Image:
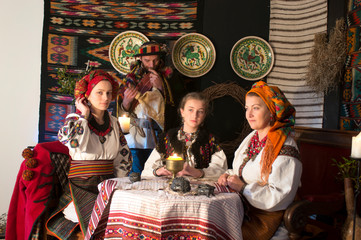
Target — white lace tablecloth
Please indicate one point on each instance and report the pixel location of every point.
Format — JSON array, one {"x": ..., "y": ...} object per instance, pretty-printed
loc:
[{"x": 150, "y": 210}]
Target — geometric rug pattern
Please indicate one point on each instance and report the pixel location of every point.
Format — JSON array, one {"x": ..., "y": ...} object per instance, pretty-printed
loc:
[
  {"x": 350, "y": 114},
  {"x": 76, "y": 32}
]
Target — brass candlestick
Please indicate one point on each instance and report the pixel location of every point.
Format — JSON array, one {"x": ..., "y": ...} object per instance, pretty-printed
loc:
[{"x": 174, "y": 165}]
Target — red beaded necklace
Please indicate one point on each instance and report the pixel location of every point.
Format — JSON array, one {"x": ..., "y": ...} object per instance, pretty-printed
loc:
[{"x": 254, "y": 148}]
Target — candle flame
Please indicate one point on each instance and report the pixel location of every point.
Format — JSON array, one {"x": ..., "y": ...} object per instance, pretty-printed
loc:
[{"x": 174, "y": 157}]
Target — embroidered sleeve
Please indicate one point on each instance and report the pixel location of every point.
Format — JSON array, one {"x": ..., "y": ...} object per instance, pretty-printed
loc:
[
  {"x": 154, "y": 161},
  {"x": 122, "y": 139},
  {"x": 291, "y": 151},
  {"x": 123, "y": 161},
  {"x": 73, "y": 131}
]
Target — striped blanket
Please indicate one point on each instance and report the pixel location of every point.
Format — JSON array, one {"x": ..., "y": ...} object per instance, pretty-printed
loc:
[{"x": 293, "y": 25}]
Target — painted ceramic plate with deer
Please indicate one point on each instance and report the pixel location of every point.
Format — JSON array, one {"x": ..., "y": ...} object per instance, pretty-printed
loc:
[
  {"x": 252, "y": 58},
  {"x": 193, "y": 55},
  {"x": 122, "y": 49}
]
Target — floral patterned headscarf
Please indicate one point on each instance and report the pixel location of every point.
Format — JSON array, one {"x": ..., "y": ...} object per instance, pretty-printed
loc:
[
  {"x": 284, "y": 120},
  {"x": 84, "y": 86}
]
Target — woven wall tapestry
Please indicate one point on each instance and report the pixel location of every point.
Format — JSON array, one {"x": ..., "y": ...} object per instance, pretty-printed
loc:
[
  {"x": 350, "y": 114},
  {"x": 76, "y": 32},
  {"x": 293, "y": 25}
]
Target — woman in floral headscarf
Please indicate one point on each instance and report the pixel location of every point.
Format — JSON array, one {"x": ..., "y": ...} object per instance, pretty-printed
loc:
[
  {"x": 98, "y": 151},
  {"x": 266, "y": 167}
]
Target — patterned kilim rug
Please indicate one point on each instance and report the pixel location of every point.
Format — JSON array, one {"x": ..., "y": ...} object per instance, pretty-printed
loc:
[
  {"x": 293, "y": 25},
  {"x": 350, "y": 117},
  {"x": 76, "y": 32}
]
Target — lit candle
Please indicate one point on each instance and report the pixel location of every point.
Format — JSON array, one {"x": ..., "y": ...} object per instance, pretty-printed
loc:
[
  {"x": 175, "y": 157},
  {"x": 124, "y": 122},
  {"x": 356, "y": 146}
]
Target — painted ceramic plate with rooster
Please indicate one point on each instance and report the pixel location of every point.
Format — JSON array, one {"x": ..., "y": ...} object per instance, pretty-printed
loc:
[
  {"x": 193, "y": 55},
  {"x": 252, "y": 58},
  {"x": 123, "y": 48}
]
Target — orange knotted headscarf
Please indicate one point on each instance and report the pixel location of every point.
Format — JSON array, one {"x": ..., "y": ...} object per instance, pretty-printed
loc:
[{"x": 284, "y": 121}]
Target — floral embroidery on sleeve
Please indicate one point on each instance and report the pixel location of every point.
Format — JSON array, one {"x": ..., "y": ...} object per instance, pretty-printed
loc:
[{"x": 67, "y": 133}]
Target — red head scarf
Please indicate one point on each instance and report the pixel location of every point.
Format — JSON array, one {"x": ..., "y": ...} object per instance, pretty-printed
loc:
[
  {"x": 284, "y": 117},
  {"x": 84, "y": 86}
]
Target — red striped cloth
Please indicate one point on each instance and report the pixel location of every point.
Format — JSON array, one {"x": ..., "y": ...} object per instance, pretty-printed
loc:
[
  {"x": 80, "y": 168},
  {"x": 99, "y": 213},
  {"x": 223, "y": 189}
]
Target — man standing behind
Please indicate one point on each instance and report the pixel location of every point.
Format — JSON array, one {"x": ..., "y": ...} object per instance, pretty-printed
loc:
[{"x": 144, "y": 99}]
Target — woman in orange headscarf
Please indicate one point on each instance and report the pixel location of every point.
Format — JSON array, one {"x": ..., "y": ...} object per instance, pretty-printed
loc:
[{"x": 266, "y": 167}]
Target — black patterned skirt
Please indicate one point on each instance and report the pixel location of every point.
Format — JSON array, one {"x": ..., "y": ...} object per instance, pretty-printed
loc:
[{"x": 84, "y": 193}]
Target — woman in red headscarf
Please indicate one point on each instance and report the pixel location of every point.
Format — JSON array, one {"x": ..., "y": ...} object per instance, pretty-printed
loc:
[
  {"x": 266, "y": 167},
  {"x": 98, "y": 150}
]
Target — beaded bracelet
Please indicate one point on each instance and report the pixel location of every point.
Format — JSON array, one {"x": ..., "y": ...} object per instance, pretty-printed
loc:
[
  {"x": 83, "y": 116},
  {"x": 242, "y": 188},
  {"x": 155, "y": 171}
]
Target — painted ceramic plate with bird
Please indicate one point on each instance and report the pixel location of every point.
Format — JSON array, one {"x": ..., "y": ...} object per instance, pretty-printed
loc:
[
  {"x": 123, "y": 48},
  {"x": 193, "y": 55},
  {"x": 252, "y": 58}
]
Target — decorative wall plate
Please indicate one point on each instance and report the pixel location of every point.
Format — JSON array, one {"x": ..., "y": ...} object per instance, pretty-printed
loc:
[
  {"x": 122, "y": 49},
  {"x": 252, "y": 58},
  {"x": 193, "y": 55}
]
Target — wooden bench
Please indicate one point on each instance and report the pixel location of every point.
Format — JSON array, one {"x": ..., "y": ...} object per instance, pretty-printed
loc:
[{"x": 320, "y": 194}]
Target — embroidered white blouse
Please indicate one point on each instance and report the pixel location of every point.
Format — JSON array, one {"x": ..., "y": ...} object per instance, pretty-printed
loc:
[
  {"x": 84, "y": 144},
  {"x": 283, "y": 181}
]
